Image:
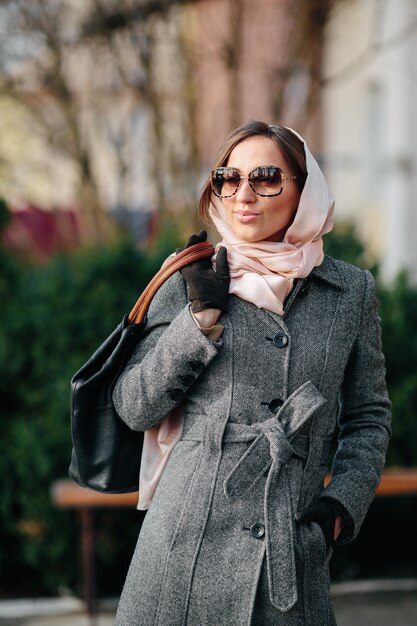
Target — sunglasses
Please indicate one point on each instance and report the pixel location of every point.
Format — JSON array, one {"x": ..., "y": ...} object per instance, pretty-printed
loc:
[{"x": 265, "y": 180}]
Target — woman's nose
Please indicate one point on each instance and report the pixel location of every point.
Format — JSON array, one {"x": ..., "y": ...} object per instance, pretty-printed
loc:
[{"x": 245, "y": 193}]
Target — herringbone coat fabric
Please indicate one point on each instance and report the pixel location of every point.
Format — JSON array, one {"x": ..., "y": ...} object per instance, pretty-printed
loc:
[{"x": 220, "y": 543}]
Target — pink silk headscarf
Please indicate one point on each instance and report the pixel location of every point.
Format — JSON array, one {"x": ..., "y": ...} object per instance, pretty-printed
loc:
[{"x": 262, "y": 272}]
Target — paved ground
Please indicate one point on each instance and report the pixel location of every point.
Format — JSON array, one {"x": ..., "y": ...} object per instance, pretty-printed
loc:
[
  {"x": 371, "y": 608},
  {"x": 377, "y": 609}
]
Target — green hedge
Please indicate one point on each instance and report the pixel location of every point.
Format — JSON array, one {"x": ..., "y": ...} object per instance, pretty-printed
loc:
[
  {"x": 398, "y": 311},
  {"x": 51, "y": 318}
]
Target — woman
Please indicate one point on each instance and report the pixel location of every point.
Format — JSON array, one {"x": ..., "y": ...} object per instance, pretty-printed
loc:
[{"x": 264, "y": 360}]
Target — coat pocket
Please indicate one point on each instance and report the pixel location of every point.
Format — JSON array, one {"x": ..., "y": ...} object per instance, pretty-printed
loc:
[{"x": 318, "y": 554}]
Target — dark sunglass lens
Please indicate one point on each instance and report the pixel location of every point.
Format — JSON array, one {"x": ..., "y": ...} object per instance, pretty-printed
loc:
[
  {"x": 225, "y": 181},
  {"x": 266, "y": 180}
]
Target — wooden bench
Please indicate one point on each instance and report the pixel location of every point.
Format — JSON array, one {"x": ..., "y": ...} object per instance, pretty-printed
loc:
[
  {"x": 394, "y": 482},
  {"x": 68, "y": 495}
]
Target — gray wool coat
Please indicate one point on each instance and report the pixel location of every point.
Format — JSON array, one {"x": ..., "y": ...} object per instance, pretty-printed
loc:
[{"x": 220, "y": 544}]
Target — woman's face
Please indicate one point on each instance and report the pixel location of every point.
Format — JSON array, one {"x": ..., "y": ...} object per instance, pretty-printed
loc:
[{"x": 253, "y": 217}]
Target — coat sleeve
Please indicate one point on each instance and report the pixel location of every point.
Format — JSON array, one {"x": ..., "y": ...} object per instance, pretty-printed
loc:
[
  {"x": 171, "y": 355},
  {"x": 364, "y": 420}
]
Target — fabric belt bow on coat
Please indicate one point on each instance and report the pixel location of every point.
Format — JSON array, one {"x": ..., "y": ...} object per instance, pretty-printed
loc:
[{"x": 272, "y": 448}]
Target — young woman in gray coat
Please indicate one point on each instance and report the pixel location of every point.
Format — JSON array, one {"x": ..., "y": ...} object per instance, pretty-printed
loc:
[{"x": 267, "y": 348}]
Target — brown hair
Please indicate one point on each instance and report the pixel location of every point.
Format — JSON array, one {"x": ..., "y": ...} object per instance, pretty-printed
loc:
[{"x": 290, "y": 145}]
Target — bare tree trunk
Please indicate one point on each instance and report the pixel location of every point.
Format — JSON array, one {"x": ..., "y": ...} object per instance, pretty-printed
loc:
[{"x": 233, "y": 52}]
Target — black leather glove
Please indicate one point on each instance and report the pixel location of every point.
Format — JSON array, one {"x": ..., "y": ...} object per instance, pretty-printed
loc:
[
  {"x": 207, "y": 289},
  {"x": 324, "y": 511}
]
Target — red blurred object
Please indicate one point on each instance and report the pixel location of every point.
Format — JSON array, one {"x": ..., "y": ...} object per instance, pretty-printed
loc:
[{"x": 37, "y": 234}]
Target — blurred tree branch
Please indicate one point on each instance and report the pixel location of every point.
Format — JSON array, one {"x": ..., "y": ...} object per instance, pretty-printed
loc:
[
  {"x": 43, "y": 46},
  {"x": 302, "y": 64},
  {"x": 71, "y": 63}
]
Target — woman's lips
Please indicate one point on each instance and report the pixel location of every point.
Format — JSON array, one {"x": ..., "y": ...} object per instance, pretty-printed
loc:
[{"x": 246, "y": 217}]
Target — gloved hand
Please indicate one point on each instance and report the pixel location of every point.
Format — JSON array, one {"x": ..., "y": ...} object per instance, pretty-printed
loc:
[
  {"x": 207, "y": 289},
  {"x": 323, "y": 511}
]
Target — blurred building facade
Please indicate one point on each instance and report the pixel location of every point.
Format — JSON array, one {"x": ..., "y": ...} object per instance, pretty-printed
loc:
[
  {"x": 137, "y": 104},
  {"x": 150, "y": 115},
  {"x": 369, "y": 140},
  {"x": 251, "y": 64}
]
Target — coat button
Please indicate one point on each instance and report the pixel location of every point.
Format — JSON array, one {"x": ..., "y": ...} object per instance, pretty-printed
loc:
[
  {"x": 196, "y": 366},
  {"x": 176, "y": 394},
  {"x": 187, "y": 380},
  {"x": 275, "y": 405},
  {"x": 280, "y": 339},
  {"x": 257, "y": 530}
]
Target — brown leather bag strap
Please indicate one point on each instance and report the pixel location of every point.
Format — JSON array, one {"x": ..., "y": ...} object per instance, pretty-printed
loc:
[{"x": 173, "y": 264}]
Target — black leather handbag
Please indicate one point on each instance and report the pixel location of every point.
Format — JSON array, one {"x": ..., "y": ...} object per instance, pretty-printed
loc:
[{"x": 106, "y": 453}]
